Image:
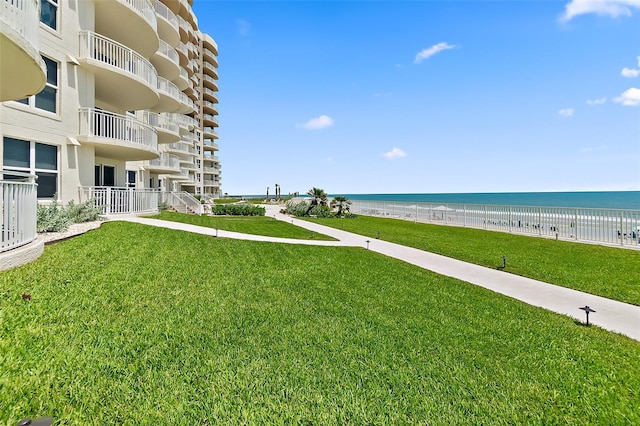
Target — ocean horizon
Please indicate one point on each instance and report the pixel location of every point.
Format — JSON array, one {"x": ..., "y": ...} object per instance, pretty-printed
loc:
[{"x": 627, "y": 200}]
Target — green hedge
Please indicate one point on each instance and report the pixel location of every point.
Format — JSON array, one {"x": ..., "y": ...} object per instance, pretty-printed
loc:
[{"x": 237, "y": 210}]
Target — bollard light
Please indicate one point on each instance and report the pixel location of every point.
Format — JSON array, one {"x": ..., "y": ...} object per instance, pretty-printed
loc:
[
  {"x": 216, "y": 232},
  {"x": 312, "y": 234},
  {"x": 378, "y": 237},
  {"x": 504, "y": 262},
  {"x": 368, "y": 244},
  {"x": 587, "y": 310}
]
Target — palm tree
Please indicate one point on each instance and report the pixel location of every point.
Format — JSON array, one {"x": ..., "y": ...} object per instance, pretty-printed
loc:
[
  {"x": 318, "y": 198},
  {"x": 341, "y": 203}
]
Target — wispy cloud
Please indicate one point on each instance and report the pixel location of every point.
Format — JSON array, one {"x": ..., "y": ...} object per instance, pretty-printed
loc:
[
  {"x": 244, "y": 27},
  {"x": 566, "y": 112},
  {"x": 317, "y": 123},
  {"x": 394, "y": 154},
  {"x": 382, "y": 95},
  {"x": 612, "y": 8},
  {"x": 429, "y": 52},
  {"x": 596, "y": 101},
  {"x": 630, "y": 97}
]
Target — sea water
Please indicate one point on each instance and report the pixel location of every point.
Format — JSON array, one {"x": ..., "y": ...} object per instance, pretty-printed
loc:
[{"x": 597, "y": 200}]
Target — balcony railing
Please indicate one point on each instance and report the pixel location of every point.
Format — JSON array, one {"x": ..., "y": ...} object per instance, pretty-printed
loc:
[
  {"x": 169, "y": 52},
  {"x": 166, "y": 161},
  {"x": 184, "y": 120},
  {"x": 211, "y": 81},
  {"x": 18, "y": 194},
  {"x": 161, "y": 121},
  {"x": 22, "y": 16},
  {"x": 164, "y": 12},
  {"x": 115, "y": 200},
  {"x": 182, "y": 147},
  {"x": 146, "y": 10},
  {"x": 169, "y": 88},
  {"x": 99, "y": 48},
  {"x": 120, "y": 128}
]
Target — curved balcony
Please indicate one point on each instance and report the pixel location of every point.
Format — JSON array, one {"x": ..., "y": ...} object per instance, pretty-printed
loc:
[
  {"x": 167, "y": 163},
  {"x": 22, "y": 70},
  {"x": 183, "y": 54},
  {"x": 209, "y": 145},
  {"x": 209, "y": 44},
  {"x": 181, "y": 148},
  {"x": 166, "y": 61},
  {"x": 209, "y": 182},
  {"x": 117, "y": 136},
  {"x": 167, "y": 129},
  {"x": 183, "y": 79},
  {"x": 185, "y": 29},
  {"x": 209, "y": 120},
  {"x": 173, "y": 5},
  {"x": 209, "y": 95},
  {"x": 209, "y": 107},
  {"x": 210, "y": 70},
  {"x": 186, "y": 12},
  {"x": 123, "y": 78},
  {"x": 170, "y": 99},
  {"x": 210, "y": 133},
  {"x": 186, "y": 105},
  {"x": 210, "y": 82},
  {"x": 130, "y": 22},
  {"x": 185, "y": 123},
  {"x": 167, "y": 23}
]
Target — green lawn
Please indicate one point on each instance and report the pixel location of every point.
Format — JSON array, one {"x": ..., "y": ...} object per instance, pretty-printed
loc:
[
  {"x": 256, "y": 225},
  {"x": 131, "y": 324},
  {"x": 605, "y": 271}
]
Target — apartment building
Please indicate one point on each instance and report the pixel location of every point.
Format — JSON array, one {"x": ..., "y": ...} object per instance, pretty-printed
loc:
[{"x": 118, "y": 94}]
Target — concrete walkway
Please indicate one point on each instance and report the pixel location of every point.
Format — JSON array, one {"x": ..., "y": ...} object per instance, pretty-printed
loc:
[{"x": 611, "y": 315}]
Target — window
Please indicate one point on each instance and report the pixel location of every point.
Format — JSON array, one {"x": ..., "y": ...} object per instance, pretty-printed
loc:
[
  {"x": 131, "y": 179},
  {"x": 49, "y": 13},
  {"x": 104, "y": 175},
  {"x": 35, "y": 158},
  {"x": 47, "y": 99}
]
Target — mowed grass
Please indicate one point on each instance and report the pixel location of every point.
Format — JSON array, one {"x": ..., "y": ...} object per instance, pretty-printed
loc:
[
  {"x": 605, "y": 271},
  {"x": 255, "y": 225},
  {"x": 130, "y": 324}
]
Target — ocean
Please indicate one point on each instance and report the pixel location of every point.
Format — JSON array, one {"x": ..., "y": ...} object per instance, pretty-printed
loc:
[{"x": 599, "y": 200}]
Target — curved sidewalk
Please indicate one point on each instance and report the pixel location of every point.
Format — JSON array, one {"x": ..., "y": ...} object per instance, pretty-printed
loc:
[{"x": 610, "y": 314}]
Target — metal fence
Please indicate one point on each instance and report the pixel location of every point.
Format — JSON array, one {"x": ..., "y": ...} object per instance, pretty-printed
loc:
[
  {"x": 116, "y": 200},
  {"x": 610, "y": 226},
  {"x": 18, "y": 195}
]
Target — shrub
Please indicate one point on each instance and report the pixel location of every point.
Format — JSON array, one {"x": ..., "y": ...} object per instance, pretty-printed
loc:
[
  {"x": 237, "y": 210},
  {"x": 163, "y": 205},
  {"x": 321, "y": 211},
  {"x": 53, "y": 217},
  {"x": 296, "y": 209}
]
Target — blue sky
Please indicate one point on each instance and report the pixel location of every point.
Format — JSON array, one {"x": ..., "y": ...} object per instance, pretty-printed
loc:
[{"x": 427, "y": 96}]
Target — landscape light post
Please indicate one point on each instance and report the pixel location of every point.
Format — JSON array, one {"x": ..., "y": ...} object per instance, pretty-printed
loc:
[
  {"x": 587, "y": 310},
  {"x": 368, "y": 244}
]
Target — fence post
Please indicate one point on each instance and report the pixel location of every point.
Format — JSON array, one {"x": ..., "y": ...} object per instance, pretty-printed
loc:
[
  {"x": 131, "y": 200},
  {"x": 575, "y": 224},
  {"x": 108, "y": 201},
  {"x": 539, "y": 220},
  {"x": 622, "y": 233}
]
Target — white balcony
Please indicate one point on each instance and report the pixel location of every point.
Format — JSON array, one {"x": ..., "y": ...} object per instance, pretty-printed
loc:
[
  {"x": 210, "y": 69},
  {"x": 114, "y": 200},
  {"x": 186, "y": 105},
  {"x": 167, "y": 163},
  {"x": 210, "y": 120},
  {"x": 130, "y": 22},
  {"x": 210, "y": 107},
  {"x": 181, "y": 148},
  {"x": 210, "y": 133},
  {"x": 166, "y": 61},
  {"x": 210, "y": 44},
  {"x": 167, "y": 23},
  {"x": 167, "y": 128},
  {"x": 210, "y": 82},
  {"x": 208, "y": 182},
  {"x": 117, "y": 136},
  {"x": 169, "y": 96},
  {"x": 123, "y": 78},
  {"x": 22, "y": 70}
]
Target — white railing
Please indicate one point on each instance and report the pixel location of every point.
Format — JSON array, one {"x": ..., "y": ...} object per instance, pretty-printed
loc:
[
  {"x": 165, "y": 161},
  {"x": 184, "y": 120},
  {"x": 23, "y": 17},
  {"x": 165, "y": 49},
  {"x": 116, "y": 200},
  {"x": 169, "y": 88},
  {"x": 164, "y": 12},
  {"x": 146, "y": 10},
  {"x": 184, "y": 99},
  {"x": 18, "y": 194},
  {"x": 211, "y": 80},
  {"x": 182, "y": 147},
  {"x": 211, "y": 93},
  {"x": 100, "y": 48},
  {"x": 183, "y": 202},
  {"x": 211, "y": 182},
  {"x": 621, "y": 227},
  {"x": 161, "y": 121},
  {"x": 210, "y": 143},
  {"x": 120, "y": 128}
]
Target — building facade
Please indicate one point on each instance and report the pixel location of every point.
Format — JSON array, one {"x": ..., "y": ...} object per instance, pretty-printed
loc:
[{"x": 112, "y": 93}]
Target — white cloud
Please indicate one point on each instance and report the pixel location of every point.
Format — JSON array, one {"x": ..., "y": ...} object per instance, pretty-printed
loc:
[
  {"x": 596, "y": 101},
  {"x": 628, "y": 72},
  {"x": 394, "y": 153},
  {"x": 244, "y": 27},
  {"x": 566, "y": 112},
  {"x": 317, "y": 123},
  {"x": 630, "y": 97},
  {"x": 382, "y": 95},
  {"x": 429, "y": 52},
  {"x": 612, "y": 8}
]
